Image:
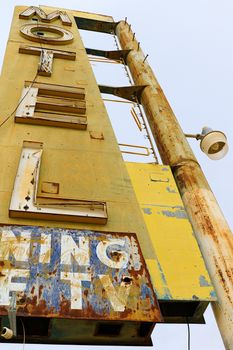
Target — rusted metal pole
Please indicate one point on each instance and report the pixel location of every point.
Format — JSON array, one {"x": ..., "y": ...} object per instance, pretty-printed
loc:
[{"x": 211, "y": 229}]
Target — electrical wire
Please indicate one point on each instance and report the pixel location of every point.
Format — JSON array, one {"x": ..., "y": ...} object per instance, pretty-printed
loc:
[
  {"x": 189, "y": 335},
  {"x": 144, "y": 122},
  {"x": 24, "y": 335},
  {"x": 10, "y": 115}
]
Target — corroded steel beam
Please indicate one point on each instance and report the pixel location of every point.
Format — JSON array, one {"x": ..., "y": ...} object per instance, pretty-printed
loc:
[
  {"x": 211, "y": 229},
  {"x": 112, "y": 55},
  {"x": 95, "y": 25},
  {"x": 131, "y": 93}
]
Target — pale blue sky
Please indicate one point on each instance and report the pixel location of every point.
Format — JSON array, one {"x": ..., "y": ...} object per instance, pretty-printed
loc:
[{"x": 190, "y": 49}]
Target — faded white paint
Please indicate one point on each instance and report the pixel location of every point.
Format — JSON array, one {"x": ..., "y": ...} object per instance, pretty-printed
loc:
[
  {"x": 19, "y": 247},
  {"x": 136, "y": 261},
  {"x": 80, "y": 253},
  {"x": 28, "y": 98},
  {"x": 76, "y": 280},
  {"x": 45, "y": 249},
  {"x": 101, "y": 251},
  {"x": 24, "y": 199},
  {"x": 34, "y": 10},
  {"x": 117, "y": 297},
  {"x": 61, "y": 37},
  {"x": 7, "y": 286}
]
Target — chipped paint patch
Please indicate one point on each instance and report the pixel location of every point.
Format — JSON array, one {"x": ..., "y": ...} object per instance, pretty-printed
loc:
[
  {"x": 147, "y": 211},
  {"x": 167, "y": 294},
  {"x": 203, "y": 282},
  {"x": 164, "y": 206},
  {"x": 170, "y": 190},
  {"x": 213, "y": 294},
  {"x": 178, "y": 214}
]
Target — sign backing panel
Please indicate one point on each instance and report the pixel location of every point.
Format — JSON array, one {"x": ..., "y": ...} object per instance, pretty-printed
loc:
[{"x": 75, "y": 274}]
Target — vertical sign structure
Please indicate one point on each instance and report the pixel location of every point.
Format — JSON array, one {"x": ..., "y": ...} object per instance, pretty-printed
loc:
[
  {"x": 73, "y": 264},
  {"x": 62, "y": 188}
]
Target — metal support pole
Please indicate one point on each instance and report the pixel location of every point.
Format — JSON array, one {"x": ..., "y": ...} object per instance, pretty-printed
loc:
[{"x": 211, "y": 229}]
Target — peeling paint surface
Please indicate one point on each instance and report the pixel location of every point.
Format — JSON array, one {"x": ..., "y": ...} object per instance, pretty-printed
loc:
[
  {"x": 178, "y": 271},
  {"x": 147, "y": 211},
  {"x": 166, "y": 294},
  {"x": 171, "y": 190},
  {"x": 179, "y": 214},
  {"x": 75, "y": 274},
  {"x": 203, "y": 282}
]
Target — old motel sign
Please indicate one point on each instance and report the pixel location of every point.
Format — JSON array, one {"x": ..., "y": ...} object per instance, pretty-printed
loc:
[{"x": 67, "y": 285}]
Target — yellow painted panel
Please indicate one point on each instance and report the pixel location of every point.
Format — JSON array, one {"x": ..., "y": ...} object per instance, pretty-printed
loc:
[{"x": 183, "y": 275}]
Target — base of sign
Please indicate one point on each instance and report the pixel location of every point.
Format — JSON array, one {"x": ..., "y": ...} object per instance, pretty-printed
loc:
[{"x": 42, "y": 330}]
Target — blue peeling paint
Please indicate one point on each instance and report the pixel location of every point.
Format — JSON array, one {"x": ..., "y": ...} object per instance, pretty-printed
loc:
[
  {"x": 166, "y": 292},
  {"x": 178, "y": 214},
  {"x": 179, "y": 207},
  {"x": 203, "y": 282},
  {"x": 213, "y": 294},
  {"x": 146, "y": 294},
  {"x": 46, "y": 289},
  {"x": 170, "y": 190},
  {"x": 147, "y": 211}
]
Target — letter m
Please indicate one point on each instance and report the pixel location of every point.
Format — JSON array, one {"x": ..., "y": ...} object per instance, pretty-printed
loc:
[{"x": 33, "y": 10}]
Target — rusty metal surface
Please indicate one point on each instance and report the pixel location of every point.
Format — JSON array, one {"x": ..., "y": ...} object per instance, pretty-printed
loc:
[
  {"x": 131, "y": 93},
  {"x": 211, "y": 229},
  {"x": 95, "y": 25},
  {"x": 117, "y": 55},
  {"x": 75, "y": 274}
]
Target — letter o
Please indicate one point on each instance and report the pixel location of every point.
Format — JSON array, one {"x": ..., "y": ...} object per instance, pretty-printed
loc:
[{"x": 49, "y": 34}]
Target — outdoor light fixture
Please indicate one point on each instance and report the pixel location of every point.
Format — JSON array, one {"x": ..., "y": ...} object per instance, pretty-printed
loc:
[
  {"x": 213, "y": 143},
  {"x": 7, "y": 333}
]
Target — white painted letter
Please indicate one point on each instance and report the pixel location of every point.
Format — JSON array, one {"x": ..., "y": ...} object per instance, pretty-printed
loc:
[
  {"x": 45, "y": 249},
  {"x": 69, "y": 248},
  {"x": 7, "y": 286},
  {"x": 118, "y": 299},
  {"x": 34, "y": 10},
  {"x": 76, "y": 287},
  {"x": 19, "y": 247},
  {"x": 101, "y": 251}
]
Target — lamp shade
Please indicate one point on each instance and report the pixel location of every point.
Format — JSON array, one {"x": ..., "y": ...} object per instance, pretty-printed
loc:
[{"x": 214, "y": 144}]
